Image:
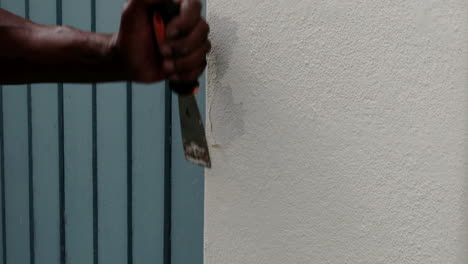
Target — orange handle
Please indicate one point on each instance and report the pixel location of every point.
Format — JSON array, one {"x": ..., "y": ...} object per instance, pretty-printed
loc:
[{"x": 159, "y": 28}]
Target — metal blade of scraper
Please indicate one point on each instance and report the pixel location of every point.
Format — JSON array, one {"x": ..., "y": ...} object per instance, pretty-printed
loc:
[{"x": 193, "y": 133}]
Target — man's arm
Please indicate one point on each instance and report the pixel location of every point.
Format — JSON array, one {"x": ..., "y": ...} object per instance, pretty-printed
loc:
[{"x": 32, "y": 53}]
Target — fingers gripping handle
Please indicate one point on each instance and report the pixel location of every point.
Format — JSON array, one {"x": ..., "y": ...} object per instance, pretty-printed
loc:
[{"x": 162, "y": 16}]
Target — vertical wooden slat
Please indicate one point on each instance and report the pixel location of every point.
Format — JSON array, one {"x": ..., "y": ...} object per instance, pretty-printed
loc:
[
  {"x": 16, "y": 163},
  {"x": 95, "y": 152},
  {"x": 2, "y": 181},
  {"x": 61, "y": 152},
  {"x": 187, "y": 196},
  {"x": 31, "y": 194},
  {"x": 167, "y": 247},
  {"x": 148, "y": 168},
  {"x": 78, "y": 143},
  {"x": 78, "y": 170},
  {"x": 129, "y": 173},
  {"x": 45, "y": 154},
  {"x": 45, "y": 171},
  {"x": 112, "y": 153},
  {"x": 188, "y": 184},
  {"x": 16, "y": 174},
  {"x": 112, "y": 173},
  {"x": 32, "y": 230}
]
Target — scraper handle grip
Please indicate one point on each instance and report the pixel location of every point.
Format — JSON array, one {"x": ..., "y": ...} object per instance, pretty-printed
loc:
[{"x": 162, "y": 15}]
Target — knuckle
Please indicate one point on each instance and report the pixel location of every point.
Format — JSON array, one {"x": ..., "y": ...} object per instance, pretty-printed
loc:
[{"x": 191, "y": 61}]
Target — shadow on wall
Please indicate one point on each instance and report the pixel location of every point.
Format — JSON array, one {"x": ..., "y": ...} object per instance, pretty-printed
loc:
[{"x": 225, "y": 116}]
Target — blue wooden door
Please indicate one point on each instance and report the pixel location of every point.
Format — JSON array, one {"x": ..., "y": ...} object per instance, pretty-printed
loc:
[{"x": 94, "y": 173}]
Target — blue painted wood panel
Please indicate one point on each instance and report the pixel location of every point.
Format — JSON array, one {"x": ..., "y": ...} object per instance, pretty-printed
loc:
[
  {"x": 148, "y": 173},
  {"x": 16, "y": 174},
  {"x": 86, "y": 169},
  {"x": 45, "y": 172},
  {"x": 112, "y": 153},
  {"x": 78, "y": 150},
  {"x": 2, "y": 184},
  {"x": 44, "y": 150},
  {"x": 79, "y": 197},
  {"x": 17, "y": 180}
]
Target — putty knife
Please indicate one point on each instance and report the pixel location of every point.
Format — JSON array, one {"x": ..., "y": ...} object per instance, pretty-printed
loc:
[{"x": 191, "y": 123}]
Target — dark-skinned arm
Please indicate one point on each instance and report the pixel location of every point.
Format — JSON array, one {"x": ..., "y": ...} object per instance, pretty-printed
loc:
[
  {"x": 34, "y": 53},
  {"x": 31, "y": 53}
]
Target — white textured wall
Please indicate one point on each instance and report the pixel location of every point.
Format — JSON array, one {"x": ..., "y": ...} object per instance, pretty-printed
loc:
[{"x": 339, "y": 130}]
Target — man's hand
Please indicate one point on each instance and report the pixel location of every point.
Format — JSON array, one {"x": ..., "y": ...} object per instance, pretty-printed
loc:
[{"x": 184, "y": 51}]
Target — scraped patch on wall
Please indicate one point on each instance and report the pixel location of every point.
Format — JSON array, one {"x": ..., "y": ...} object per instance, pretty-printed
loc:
[{"x": 223, "y": 108}]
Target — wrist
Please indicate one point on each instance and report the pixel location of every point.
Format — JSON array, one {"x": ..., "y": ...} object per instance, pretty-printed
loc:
[{"x": 114, "y": 57}]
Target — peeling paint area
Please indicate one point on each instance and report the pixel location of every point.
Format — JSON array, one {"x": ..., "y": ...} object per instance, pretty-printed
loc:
[
  {"x": 197, "y": 154},
  {"x": 225, "y": 112}
]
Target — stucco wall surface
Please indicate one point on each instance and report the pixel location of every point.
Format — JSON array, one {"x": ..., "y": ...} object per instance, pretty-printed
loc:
[{"x": 339, "y": 132}]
